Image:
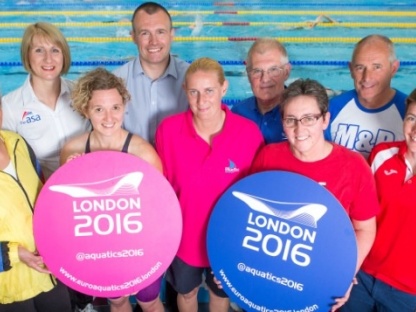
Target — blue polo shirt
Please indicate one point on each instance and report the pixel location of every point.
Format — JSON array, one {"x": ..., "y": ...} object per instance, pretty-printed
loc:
[{"x": 270, "y": 124}]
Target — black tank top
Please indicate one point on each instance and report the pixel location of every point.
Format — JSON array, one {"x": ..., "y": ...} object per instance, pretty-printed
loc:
[{"x": 124, "y": 149}]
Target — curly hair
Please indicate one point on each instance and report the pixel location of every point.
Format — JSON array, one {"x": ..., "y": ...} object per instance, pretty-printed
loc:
[{"x": 97, "y": 79}]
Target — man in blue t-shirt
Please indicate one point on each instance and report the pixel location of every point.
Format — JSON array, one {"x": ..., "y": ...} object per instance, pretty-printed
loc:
[
  {"x": 267, "y": 67},
  {"x": 373, "y": 112}
]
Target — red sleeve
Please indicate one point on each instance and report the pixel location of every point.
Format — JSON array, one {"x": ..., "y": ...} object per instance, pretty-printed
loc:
[{"x": 365, "y": 205}]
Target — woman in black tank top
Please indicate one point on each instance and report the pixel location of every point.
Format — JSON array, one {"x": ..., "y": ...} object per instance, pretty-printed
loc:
[{"x": 101, "y": 97}]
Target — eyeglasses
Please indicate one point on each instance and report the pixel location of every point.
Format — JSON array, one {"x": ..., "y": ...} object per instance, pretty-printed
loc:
[
  {"x": 274, "y": 71},
  {"x": 307, "y": 121}
]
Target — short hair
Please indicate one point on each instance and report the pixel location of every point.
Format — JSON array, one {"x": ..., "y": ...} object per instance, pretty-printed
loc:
[
  {"x": 261, "y": 45},
  {"x": 411, "y": 100},
  {"x": 306, "y": 87},
  {"x": 150, "y": 8},
  {"x": 96, "y": 79},
  {"x": 48, "y": 32},
  {"x": 206, "y": 64},
  {"x": 372, "y": 38}
]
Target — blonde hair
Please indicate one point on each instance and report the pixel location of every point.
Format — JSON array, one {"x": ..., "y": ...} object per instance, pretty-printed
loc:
[
  {"x": 49, "y": 32},
  {"x": 206, "y": 64},
  {"x": 97, "y": 79}
]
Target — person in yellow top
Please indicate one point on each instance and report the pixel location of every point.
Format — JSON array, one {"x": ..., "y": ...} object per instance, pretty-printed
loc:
[{"x": 26, "y": 285}]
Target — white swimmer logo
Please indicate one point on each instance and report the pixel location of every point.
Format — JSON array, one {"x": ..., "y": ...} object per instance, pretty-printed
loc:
[
  {"x": 307, "y": 214},
  {"x": 127, "y": 184}
]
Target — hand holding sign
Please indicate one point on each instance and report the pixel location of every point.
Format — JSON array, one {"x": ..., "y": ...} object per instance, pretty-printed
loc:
[{"x": 279, "y": 241}]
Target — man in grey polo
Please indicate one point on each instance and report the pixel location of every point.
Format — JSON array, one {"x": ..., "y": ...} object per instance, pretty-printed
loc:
[{"x": 154, "y": 78}]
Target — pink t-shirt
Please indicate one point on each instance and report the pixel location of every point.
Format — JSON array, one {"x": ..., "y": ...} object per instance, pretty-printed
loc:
[
  {"x": 343, "y": 172},
  {"x": 200, "y": 173}
]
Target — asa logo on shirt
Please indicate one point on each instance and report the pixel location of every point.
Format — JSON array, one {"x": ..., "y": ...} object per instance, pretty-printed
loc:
[
  {"x": 29, "y": 117},
  {"x": 232, "y": 168}
]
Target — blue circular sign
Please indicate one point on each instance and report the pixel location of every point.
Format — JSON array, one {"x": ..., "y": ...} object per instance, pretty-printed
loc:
[{"x": 279, "y": 241}]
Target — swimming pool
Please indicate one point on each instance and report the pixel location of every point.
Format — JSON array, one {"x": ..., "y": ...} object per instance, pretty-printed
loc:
[{"x": 98, "y": 34}]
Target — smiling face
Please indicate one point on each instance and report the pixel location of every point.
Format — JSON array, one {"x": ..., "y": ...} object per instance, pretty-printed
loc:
[
  {"x": 45, "y": 58},
  {"x": 204, "y": 93},
  {"x": 306, "y": 142},
  {"x": 372, "y": 69},
  {"x": 106, "y": 111},
  {"x": 267, "y": 88},
  {"x": 153, "y": 35}
]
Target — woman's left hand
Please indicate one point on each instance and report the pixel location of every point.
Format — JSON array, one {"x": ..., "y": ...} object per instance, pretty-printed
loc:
[
  {"x": 32, "y": 260},
  {"x": 339, "y": 302},
  {"x": 216, "y": 281}
]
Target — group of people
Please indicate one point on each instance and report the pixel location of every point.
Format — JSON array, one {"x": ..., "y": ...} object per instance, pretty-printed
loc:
[{"x": 170, "y": 113}]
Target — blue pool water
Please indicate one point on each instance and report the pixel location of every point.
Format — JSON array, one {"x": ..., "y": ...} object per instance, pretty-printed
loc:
[{"x": 320, "y": 53}]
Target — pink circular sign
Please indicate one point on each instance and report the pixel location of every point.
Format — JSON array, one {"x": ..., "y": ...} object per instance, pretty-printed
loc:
[{"x": 107, "y": 224}]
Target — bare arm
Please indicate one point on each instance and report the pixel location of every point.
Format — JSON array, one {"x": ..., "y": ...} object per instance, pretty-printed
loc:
[
  {"x": 152, "y": 158},
  {"x": 365, "y": 231},
  {"x": 319, "y": 18},
  {"x": 144, "y": 150},
  {"x": 73, "y": 149},
  {"x": 328, "y": 18}
]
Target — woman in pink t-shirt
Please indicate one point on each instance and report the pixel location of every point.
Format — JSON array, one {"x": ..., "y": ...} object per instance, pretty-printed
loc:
[{"x": 204, "y": 151}]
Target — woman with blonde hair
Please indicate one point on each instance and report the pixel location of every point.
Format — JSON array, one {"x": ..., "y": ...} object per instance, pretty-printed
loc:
[
  {"x": 40, "y": 110},
  {"x": 203, "y": 151}
]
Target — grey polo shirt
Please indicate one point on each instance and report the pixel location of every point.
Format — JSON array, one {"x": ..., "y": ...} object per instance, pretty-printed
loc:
[{"x": 152, "y": 100}]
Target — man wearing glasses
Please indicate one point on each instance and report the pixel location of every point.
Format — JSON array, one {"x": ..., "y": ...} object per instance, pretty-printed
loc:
[{"x": 268, "y": 68}]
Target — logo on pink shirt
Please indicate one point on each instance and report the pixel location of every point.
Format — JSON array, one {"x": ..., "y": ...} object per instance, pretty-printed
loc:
[{"x": 232, "y": 168}]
